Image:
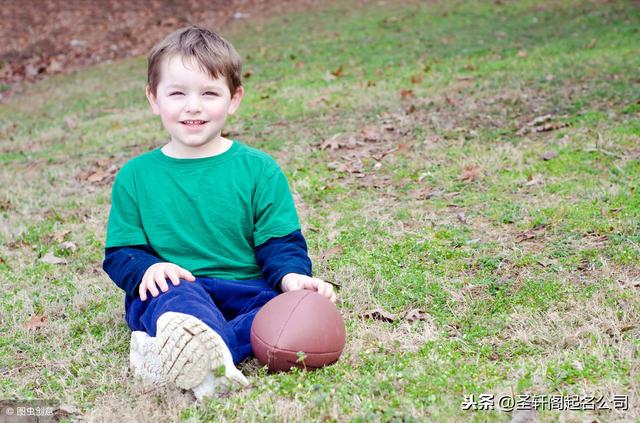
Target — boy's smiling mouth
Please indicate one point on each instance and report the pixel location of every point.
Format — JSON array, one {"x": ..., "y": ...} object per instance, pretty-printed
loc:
[{"x": 193, "y": 122}]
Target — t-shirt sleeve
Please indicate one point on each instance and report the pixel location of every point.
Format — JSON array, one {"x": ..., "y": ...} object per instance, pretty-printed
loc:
[
  {"x": 274, "y": 212},
  {"x": 125, "y": 225}
]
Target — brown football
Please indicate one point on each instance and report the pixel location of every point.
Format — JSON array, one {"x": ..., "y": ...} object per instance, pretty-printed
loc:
[{"x": 298, "y": 328}]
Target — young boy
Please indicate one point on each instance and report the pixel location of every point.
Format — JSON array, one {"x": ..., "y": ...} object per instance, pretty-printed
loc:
[{"x": 202, "y": 231}]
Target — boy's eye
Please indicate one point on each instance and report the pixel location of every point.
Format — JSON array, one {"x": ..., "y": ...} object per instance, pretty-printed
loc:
[
  {"x": 176, "y": 93},
  {"x": 211, "y": 93}
]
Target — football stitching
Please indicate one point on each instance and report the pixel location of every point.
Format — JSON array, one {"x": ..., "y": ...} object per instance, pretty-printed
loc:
[{"x": 273, "y": 347}]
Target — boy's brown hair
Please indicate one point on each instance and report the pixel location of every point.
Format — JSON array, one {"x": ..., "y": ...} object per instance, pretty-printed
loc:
[{"x": 211, "y": 52}]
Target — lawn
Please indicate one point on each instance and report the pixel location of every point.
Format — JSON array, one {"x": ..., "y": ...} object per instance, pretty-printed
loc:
[{"x": 467, "y": 172}]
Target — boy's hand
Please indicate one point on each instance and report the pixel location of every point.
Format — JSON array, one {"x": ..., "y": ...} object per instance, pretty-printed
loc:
[
  {"x": 295, "y": 281},
  {"x": 156, "y": 276}
]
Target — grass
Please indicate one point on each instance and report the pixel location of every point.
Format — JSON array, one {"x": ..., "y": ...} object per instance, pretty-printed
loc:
[{"x": 527, "y": 269}]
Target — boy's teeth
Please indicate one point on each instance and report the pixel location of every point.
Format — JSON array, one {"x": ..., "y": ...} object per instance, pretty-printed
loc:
[{"x": 192, "y": 122}]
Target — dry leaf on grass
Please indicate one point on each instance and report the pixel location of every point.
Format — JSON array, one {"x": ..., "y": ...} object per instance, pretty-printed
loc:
[
  {"x": 68, "y": 246},
  {"x": 542, "y": 123},
  {"x": 530, "y": 234},
  {"x": 548, "y": 155},
  {"x": 470, "y": 173},
  {"x": 338, "y": 72},
  {"x": 406, "y": 93},
  {"x": 339, "y": 141},
  {"x": 333, "y": 251},
  {"x": 416, "y": 79},
  {"x": 59, "y": 236},
  {"x": 67, "y": 410},
  {"x": 36, "y": 322},
  {"x": 380, "y": 314},
  {"x": 416, "y": 314},
  {"x": 52, "y": 259},
  {"x": 371, "y": 133},
  {"x": 103, "y": 172}
]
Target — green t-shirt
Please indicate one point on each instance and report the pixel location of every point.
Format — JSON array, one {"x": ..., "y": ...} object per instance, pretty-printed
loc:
[{"x": 206, "y": 215}]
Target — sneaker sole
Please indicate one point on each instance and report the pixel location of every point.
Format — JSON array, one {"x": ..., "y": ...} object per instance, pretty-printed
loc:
[
  {"x": 143, "y": 359},
  {"x": 189, "y": 349}
]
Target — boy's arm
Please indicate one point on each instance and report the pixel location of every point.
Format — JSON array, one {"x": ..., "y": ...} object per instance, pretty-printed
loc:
[
  {"x": 280, "y": 256},
  {"x": 126, "y": 265}
]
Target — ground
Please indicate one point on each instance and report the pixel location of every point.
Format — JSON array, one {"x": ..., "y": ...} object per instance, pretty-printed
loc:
[
  {"x": 40, "y": 38},
  {"x": 467, "y": 172}
]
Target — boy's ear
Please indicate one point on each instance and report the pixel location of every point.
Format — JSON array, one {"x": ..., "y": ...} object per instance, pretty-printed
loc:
[
  {"x": 152, "y": 101},
  {"x": 236, "y": 99}
]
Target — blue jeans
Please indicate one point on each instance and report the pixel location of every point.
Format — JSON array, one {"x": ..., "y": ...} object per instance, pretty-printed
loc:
[{"x": 227, "y": 307}]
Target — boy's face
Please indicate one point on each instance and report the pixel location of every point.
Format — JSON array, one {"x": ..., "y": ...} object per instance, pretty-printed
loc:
[{"x": 193, "y": 107}]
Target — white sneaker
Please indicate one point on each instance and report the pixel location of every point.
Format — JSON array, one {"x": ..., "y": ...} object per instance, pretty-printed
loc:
[
  {"x": 194, "y": 356},
  {"x": 144, "y": 360}
]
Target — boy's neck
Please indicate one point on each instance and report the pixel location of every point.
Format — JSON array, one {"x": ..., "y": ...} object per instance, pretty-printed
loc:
[{"x": 178, "y": 151}]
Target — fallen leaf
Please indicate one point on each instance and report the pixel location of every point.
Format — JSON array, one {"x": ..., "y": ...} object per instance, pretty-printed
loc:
[
  {"x": 416, "y": 314},
  {"x": 525, "y": 236},
  {"x": 375, "y": 181},
  {"x": 548, "y": 155},
  {"x": 338, "y": 72},
  {"x": 36, "y": 322},
  {"x": 470, "y": 173},
  {"x": 416, "y": 79},
  {"x": 534, "y": 180},
  {"x": 540, "y": 120},
  {"x": 68, "y": 246},
  {"x": 370, "y": 133},
  {"x": 52, "y": 259},
  {"x": 522, "y": 53},
  {"x": 331, "y": 252},
  {"x": 68, "y": 409},
  {"x": 530, "y": 234},
  {"x": 338, "y": 141},
  {"x": 551, "y": 126},
  {"x": 424, "y": 194},
  {"x": 329, "y": 77},
  {"x": 462, "y": 218},
  {"x": 380, "y": 314},
  {"x": 54, "y": 66},
  {"x": 98, "y": 176},
  {"x": 59, "y": 236},
  {"x": 406, "y": 93}
]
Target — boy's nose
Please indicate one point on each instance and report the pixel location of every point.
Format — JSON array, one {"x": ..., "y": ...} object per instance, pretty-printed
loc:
[{"x": 193, "y": 104}]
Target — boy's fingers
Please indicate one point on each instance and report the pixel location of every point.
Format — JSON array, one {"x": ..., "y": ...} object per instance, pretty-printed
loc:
[
  {"x": 174, "y": 277},
  {"x": 311, "y": 283},
  {"x": 294, "y": 285},
  {"x": 328, "y": 290},
  {"x": 151, "y": 286},
  {"x": 162, "y": 283},
  {"x": 185, "y": 274},
  {"x": 142, "y": 290}
]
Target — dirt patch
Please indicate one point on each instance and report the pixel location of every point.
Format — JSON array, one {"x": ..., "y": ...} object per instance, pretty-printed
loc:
[{"x": 42, "y": 38}]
